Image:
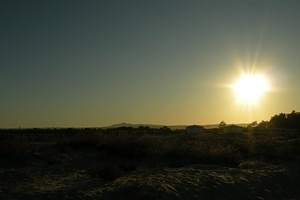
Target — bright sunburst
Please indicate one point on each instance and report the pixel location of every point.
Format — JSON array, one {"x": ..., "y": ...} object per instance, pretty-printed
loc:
[{"x": 250, "y": 88}]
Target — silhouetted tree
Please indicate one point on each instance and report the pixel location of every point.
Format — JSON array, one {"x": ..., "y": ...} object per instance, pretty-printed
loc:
[
  {"x": 263, "y": 125},
  {"x": 283, "y": 120},
  {"x": 222, "y": 124},
  {"x": 253, "y": 124},
  {"x": 278, "y": 121},
  {"x": 293, "y": 120}
]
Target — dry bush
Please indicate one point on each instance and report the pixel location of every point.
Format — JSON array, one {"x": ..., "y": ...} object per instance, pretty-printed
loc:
[
  {"x": 219, "y": 149},
  {"x": 79, "y": 142},
  {"x": 129, "y": 145}
]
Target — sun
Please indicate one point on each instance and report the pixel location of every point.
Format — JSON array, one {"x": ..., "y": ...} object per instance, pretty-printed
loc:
[{"x": 250, "y": 88}]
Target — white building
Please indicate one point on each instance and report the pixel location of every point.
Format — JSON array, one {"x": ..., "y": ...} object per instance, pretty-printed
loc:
[{"x": 194, "y": 129}]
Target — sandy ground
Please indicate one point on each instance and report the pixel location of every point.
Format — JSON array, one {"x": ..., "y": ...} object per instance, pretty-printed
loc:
[{"x": 72, "y": 181}]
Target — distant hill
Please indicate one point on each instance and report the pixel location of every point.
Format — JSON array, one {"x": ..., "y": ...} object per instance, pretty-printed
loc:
[
  {"x": 134, "y": 125},
  {"x": 173, "y": 127}
]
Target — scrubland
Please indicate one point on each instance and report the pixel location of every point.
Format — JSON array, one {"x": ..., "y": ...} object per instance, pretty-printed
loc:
[{"x": 145, "y": 163}]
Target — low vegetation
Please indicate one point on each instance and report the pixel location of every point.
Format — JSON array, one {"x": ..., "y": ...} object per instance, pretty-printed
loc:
[
  {"x": 18, "y": 146},
  {"x": 47, "y": 160},
  {"x": 122, "y": 150}
]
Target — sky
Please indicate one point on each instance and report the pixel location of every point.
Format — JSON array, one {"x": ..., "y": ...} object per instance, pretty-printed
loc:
[{"x": 88, "y": 63}]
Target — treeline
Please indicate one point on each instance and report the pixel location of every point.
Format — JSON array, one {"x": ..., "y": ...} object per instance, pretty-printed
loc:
[
  {"x": 280, "y": 121},
  {"x": 283, "y": 120}
]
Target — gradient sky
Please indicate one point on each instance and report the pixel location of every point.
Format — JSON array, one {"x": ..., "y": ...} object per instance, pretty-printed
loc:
[{"x": 95, "y": 63}]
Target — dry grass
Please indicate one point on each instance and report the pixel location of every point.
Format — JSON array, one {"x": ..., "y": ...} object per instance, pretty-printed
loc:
[
  {"x": 109, "y": 164},
  {"x": 18, "y": 147}
]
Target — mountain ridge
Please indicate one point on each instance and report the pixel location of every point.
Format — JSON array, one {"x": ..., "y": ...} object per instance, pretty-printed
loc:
[{"x": 173, "y": 127}]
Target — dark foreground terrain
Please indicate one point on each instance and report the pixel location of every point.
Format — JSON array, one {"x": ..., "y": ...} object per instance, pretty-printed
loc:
[{"x": 144, "y": 163}]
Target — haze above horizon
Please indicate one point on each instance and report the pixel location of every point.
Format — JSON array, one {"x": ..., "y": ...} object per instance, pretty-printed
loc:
[{"x": 97, "y": 63}]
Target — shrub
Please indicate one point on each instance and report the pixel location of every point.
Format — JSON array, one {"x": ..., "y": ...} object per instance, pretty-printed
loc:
[{"x": 80, "y": 142}]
